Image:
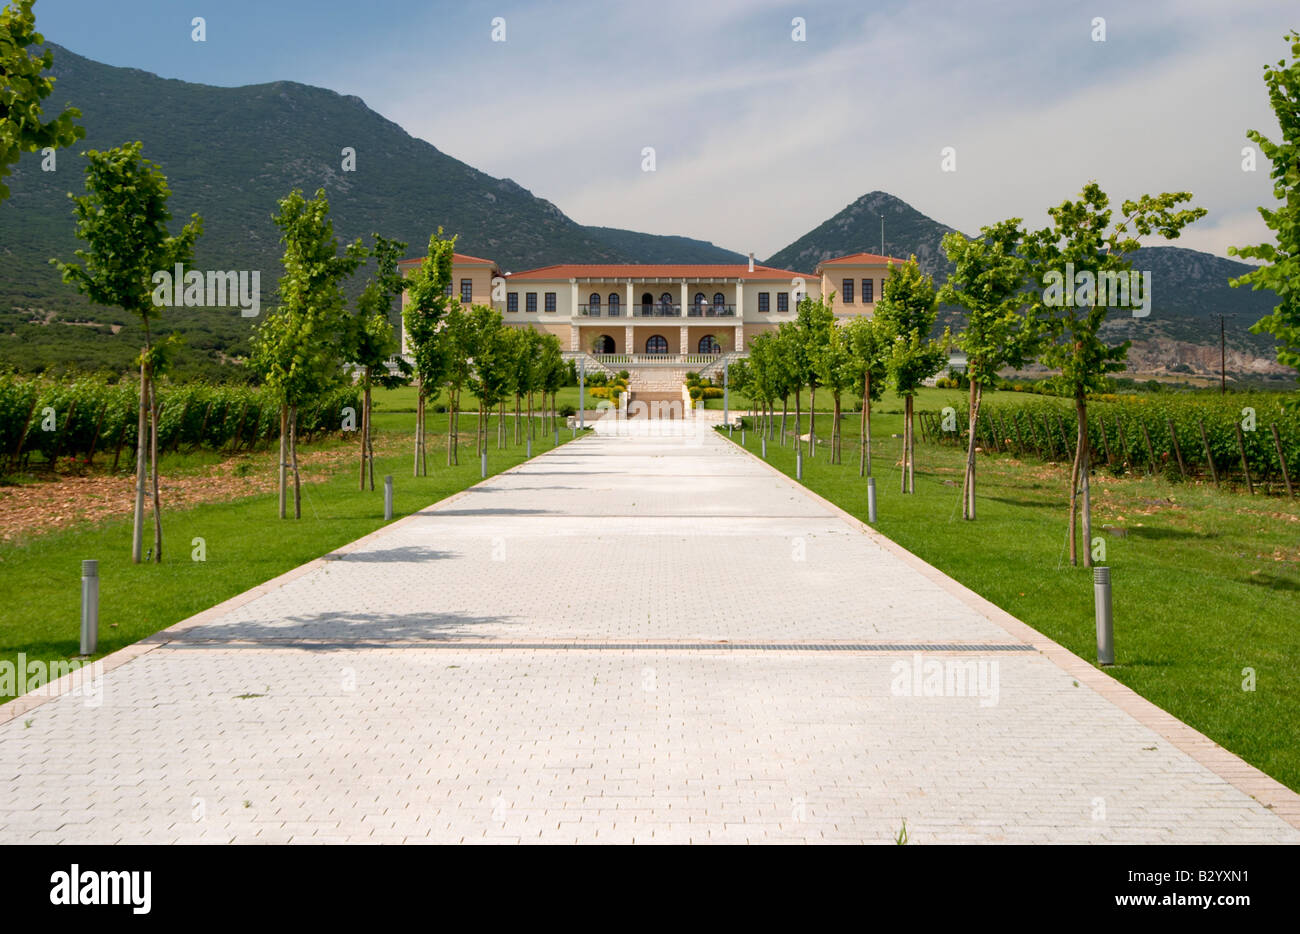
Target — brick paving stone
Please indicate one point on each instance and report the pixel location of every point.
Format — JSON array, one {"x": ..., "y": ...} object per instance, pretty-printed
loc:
[{"x": 387, "y": 716}]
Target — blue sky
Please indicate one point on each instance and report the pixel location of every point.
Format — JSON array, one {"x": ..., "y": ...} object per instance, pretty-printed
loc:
[{"x": 758, "y": 138}]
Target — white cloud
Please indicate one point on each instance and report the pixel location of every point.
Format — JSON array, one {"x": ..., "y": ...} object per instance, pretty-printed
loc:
[{"x": 760, "y": 138}]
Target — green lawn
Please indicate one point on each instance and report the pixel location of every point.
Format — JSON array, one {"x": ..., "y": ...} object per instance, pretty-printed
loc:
[
  {"x": 246, "y": 543},
  {"x": 1206, "y": 584}
]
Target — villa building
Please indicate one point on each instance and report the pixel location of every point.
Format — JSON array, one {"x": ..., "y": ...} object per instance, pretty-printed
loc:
[{"x": 661, "y": 321}]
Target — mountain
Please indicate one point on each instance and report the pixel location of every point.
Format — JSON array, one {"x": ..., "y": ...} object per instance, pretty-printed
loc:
[
  {"x": 229, "y": 154},
  {"x": 1189, "y": 288},
  {"x": 856, "y": 229},
  {"x": 655, "y": 248}
]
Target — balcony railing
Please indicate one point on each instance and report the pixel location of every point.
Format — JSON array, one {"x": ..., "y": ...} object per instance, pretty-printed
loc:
[
  {"x": 657, "y": 310},
  {"x": 712, "y": 311}
]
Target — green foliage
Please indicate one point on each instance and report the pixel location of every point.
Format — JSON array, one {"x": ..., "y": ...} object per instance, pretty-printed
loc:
[
  {"x": 369, "y": 339},
  {"x": 1031, "y": 427},
  {"x": 426, "y": 305},
  {"x": 988, "y": 283},
  {"x": 297, "y": 350},
  {"x": 870, "y": 345},
  {"x": 1082, "y": 235},
  {"x": 906, "y": 311},
  {"x": 25, "y": 84},
  {"x": 96, "y": 415},
  {"x": 122, "y": 219},
  {"x": 1282, "y": 272}
]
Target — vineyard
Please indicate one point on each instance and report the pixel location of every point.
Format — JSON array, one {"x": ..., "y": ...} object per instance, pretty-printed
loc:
[
  {"x": 1249, "y": 440},
  {"x": 42, "y": 421}
]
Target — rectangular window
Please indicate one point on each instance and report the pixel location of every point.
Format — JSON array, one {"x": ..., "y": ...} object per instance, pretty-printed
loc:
[
  {"x": 512, "y": 301},
  {"x": 782, "y": 301},
  {"x": 447, "y": 290},
  {"x": 530, "y": 301},
  {"x": 868, "y": 290},
  {"x": 467, "y": 291},
  {"x": 846, "y": 296},
  {"x": 550, "y": 301},
  {"x": 764, "y": 302}
]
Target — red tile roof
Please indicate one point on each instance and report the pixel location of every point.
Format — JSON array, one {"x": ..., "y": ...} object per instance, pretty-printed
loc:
[
  {"x": 650, "y": 271},
  {"x": 861, "y": 259},
  {"x": 460, "y": 258}
]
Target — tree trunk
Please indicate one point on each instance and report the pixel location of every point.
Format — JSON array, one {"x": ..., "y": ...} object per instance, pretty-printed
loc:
[
  {"x": 968, "y": 481},
  {"x": 862, "y": 425},
  {"x": 137, "y": 531},
  {"x": 798, "y": 420},
  {"x": 835, "y": 433},
  {"x": 153, "y": 461},
  {"x": 293, "y": 459},
  {"x": 812, "y": 419},
  {"x": 365, "y": 398},
  {"x": 909, "y": 477},
  {"x": 785, "y": 406},
  {"x": 284, "y": 456},
  {"x": 1081, "y": 407}
]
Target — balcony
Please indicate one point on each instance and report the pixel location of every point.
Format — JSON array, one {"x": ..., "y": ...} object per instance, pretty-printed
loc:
[
  {"x": 711, "y": 311},
  {"x": 599, "y": 311},
  {"x": 657, "y": 310}
]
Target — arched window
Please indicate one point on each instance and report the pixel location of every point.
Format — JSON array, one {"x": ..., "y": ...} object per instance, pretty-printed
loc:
[
  {"x": 605, "y": 345},
  {"x": 666, "y": 303},
  {"x": 656, "y": 344},
  {"x": 699, "y": 303},
  {"x": 709, "y": 344},
  {"x": 613, "y": 304},
  {"x": 647, "y": 303},
  {"x": 719, "y": 303},
  {"x": 593, "y": 303}
]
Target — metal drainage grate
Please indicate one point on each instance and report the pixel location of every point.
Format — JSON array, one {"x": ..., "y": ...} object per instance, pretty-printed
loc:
[{"x": 626, "y": 646}]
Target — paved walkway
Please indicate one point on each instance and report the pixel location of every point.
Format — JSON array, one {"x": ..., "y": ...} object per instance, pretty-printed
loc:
[{"x": 649, "y": 639}]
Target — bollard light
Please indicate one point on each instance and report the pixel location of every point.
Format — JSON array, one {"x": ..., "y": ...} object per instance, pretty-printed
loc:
[
  {"x": 482, "y": 465},
  {"x": 1105, "y": 622},
  {"x": 798, "y": 463},
  {"x": 388, "y": 497},
  {"x": 89, "y": 607},
  {"x": 530, "y": 453},
  {"x": 765, "y": 447},
  {"x": 871, "y": 500}
]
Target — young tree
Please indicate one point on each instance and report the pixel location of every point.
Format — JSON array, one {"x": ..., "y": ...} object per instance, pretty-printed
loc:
[
  {"x": 1281, "y": 273},
  {"x": 456, "y": 337},
  {"x": 371, "y": 341},
  {"x": 870, "y": 345},
  {"x": 122, "y": 219},
  {"x": 907, "y": 309},
  {"x": 794, "y": 361},
  {"x": 523, "y": 374},
  {"x": 1082, "y": 239},
  {"x": 528, "y": 373},
  {"x": 834, "y": 368},
  {"x": 23, "y": 85},
  {"x": 988, "y": 282},
  {"x": 551, "y": 372},
  {"x": 762, "y": 378},
  {"x": 422, "y": 319},
  {"x": 491, "y": 352},
  {"x": 297, "y": 349},
  {"x": 812, "y": 327}
]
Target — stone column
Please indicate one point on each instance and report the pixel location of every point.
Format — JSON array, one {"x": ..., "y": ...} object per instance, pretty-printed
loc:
[
  {"x": 575, "y": 337},
  {"x": 629, "y": 341},
  {"x": 682, "y": 345}
]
